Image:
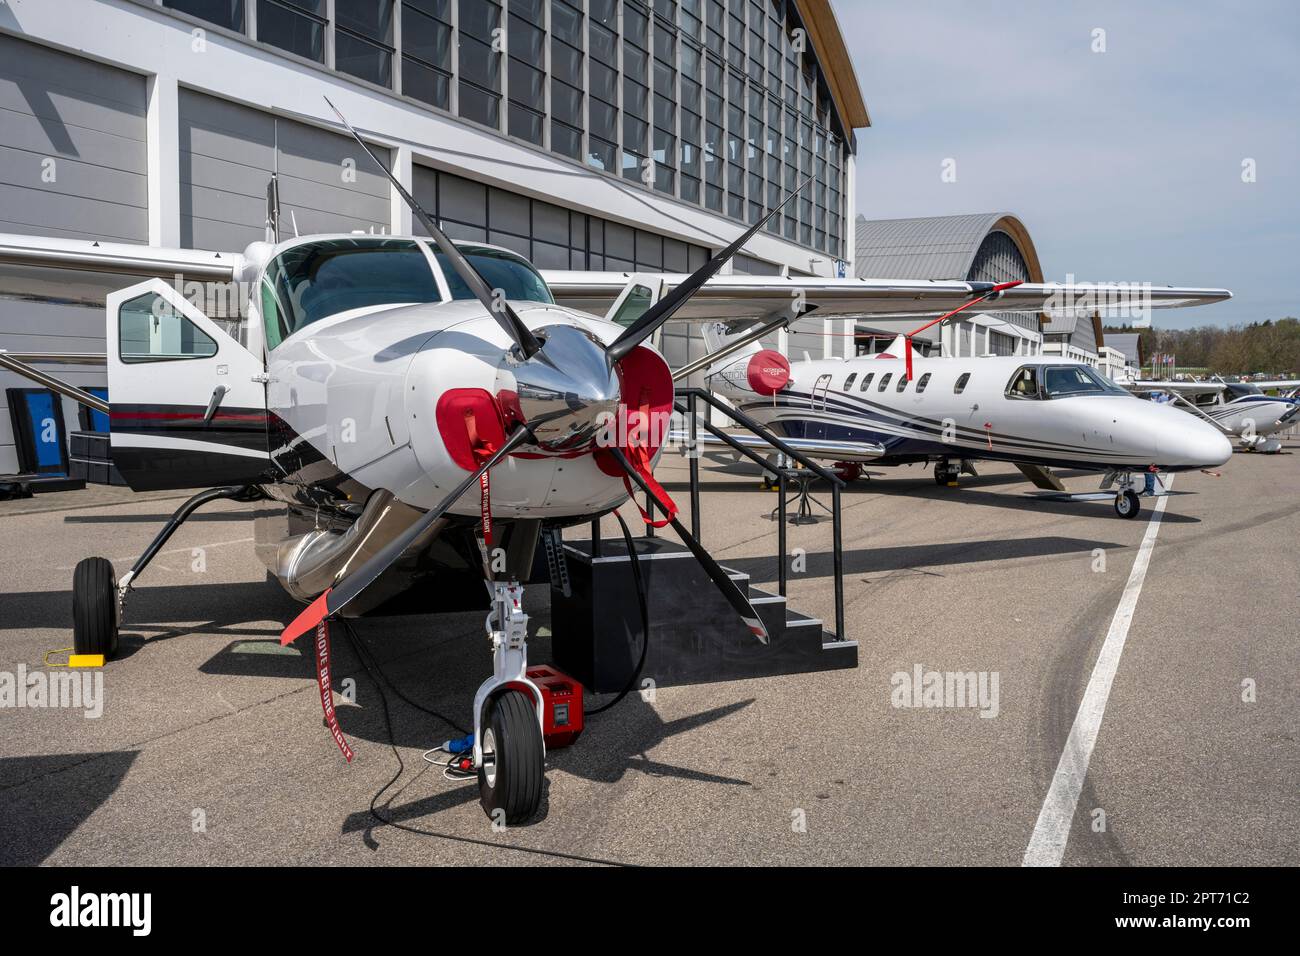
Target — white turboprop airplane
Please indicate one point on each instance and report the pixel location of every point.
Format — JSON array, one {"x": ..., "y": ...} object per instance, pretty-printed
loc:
[
  {"x": 1241, "y": 410},
  {"x": 377, "y": 380}
]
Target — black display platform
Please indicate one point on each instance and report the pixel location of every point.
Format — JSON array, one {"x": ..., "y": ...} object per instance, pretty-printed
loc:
[{"x": 695, "y": 635}]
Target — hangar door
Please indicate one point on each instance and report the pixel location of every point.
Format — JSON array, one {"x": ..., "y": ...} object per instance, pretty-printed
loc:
[
  {"x": 227, "y": 155},
  {"x": 72, "y": 165},
  {"x": 72, "y": 157}
]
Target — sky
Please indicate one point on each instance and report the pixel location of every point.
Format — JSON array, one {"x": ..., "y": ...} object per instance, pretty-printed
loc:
[{"x": 1125, "y": 165}]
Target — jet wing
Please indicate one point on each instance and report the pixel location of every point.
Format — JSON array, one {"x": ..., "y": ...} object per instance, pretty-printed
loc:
[
  {"x": 823, "y": 448},
  {"x": 1186, "y": 388},
  {"x": 746, "y": 296}
]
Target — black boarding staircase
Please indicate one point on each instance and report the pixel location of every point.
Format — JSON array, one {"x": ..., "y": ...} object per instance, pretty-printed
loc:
[{"x": 695, "y": 636}]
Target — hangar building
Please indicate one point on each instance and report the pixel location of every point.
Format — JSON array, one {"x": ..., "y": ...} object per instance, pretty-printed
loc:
[
  {"x": 985, "y": 247},
  {"x": 585, "y": 134}
]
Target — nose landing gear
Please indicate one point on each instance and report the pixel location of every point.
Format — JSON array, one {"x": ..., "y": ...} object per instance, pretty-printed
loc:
[
  {"x": 509, "y": 752},
  {"x": 1127, "y": 504}
]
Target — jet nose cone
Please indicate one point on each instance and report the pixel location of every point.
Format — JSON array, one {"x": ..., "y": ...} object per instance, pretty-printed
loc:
[{"x": 1192, "y": 444}]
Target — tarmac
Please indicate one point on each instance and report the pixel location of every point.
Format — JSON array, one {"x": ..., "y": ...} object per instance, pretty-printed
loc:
[{"x": 211, "y": 750}]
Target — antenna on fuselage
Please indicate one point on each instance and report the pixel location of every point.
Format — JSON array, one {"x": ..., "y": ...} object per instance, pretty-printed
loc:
[{"x": 273, "y": 210}]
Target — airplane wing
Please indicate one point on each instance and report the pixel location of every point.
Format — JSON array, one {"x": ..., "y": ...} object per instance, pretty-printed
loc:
[
  {"x": 1276, "y": 383},
  {"x": 746, "y": 296},
  {"x": 1189, "y": 388},
  {"x": 823, "y": 448},
  {"x": 117, "y": 258}
]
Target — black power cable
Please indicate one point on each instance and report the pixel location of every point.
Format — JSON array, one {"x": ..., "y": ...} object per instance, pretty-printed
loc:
[{"x": 645, "y": 620}]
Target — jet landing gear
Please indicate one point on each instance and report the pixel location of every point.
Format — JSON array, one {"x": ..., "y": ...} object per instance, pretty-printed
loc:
[
  {"x": 1127, "y": 502},
  {"x": 98, "y": 597},
  {"x": 509, "y": 752}
]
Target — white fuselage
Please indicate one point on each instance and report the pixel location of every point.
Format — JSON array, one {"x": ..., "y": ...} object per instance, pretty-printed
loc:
[{"x": 963, "y": 408}]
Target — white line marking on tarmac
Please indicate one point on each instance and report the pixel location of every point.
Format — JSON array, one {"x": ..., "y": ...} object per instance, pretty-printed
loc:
[
  {"x": 189, "y": 548},
  {"x": 1047, "y": 845}
]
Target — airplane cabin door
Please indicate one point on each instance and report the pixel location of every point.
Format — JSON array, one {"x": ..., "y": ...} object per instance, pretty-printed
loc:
[
  {"x": 641, "y": 292},
  {"x": 816, "y": 422},
  {"x": 187, "y": 402}
]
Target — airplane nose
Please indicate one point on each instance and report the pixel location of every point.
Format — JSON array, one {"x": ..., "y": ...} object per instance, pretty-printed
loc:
[{"x": 1191, "y": 443}]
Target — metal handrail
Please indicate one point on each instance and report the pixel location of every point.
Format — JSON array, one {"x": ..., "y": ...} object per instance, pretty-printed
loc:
[{"x": 692, "y": 396}]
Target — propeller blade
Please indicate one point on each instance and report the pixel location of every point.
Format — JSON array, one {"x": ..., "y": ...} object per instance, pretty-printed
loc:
[
  {"x": 498, "y": 308},
  {"x": 336, "y": 598},
  {"x": 711, "y": 567},
  {"x": 664, "y": 309}
]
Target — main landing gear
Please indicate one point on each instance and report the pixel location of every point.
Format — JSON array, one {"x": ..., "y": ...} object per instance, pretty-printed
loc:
[
  {"x": 509, "y": 752},
  {"x": 98, "y": 597}
]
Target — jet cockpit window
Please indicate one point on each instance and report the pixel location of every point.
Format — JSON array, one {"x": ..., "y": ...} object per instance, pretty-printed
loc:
[
  {"x": 315, "y": 280},
  {"x": 508, "y": 272},
  {"x": 1065, "y": 381},
  {"x": 1024, "y": 384},
  {"x": 961, "y": 383}
]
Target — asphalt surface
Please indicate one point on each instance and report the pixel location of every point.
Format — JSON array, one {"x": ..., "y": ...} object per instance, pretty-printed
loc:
[{"x": 211, "y": 748}]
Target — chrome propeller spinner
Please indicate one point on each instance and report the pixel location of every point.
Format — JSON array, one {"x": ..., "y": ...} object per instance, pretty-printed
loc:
[{"x": 567, "y": 391}]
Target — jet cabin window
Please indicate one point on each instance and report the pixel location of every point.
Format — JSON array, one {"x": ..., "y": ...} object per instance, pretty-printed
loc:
[
  {"x": 1066, "y": 381},
  {"x": 318, "y": 279},
  {"x": 149, "y": 329},
  {"x": 848, "y": 382},
  {"x": 961, "y": 383},
  {"x": 884, "y": 381},
  {"x": 1024, "y": 384},
  {"x": 922, "y": 382},
  {"x": 866, "y": 381},
  {"x": 501, "y": 270}
]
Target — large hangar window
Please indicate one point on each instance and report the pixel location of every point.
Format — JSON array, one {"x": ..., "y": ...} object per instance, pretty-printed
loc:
[
  {"x": 426, "y": 51},
  {"x": 549, "y": 236},
  {"x": 224, "y": 13},
  {"x": 719, "y": 103}
]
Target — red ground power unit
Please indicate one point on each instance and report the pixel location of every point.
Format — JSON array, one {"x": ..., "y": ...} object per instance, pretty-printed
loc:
[{"x": 562, "y": 705}]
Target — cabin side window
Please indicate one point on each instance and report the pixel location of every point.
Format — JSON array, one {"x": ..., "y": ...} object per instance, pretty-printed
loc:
[
  {"x": 848, "y": 382},
  {"x": 1024, "y": 383},
  {"x": 866, "y": 381},
  {"x": 922, "y": 382},
  {"x": 902, "y": 382},
  {"x": 961, "y": 383},
  {"x": 884, "y": 381}
]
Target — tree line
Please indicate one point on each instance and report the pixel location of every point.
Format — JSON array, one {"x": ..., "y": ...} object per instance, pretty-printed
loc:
[{"x": 1269, "y": 347}]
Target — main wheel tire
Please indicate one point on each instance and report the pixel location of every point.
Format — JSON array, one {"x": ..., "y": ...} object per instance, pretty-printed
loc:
[
  {"x": 848, "y": 470},
  {"x": 510, "y": 779},
  {"x": 942, "y": 474},
  {"x": 1127, "y": 505},
  {"x": 94, "y": 608}
]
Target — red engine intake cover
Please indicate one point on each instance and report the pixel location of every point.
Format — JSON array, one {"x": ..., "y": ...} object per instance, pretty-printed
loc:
[{"x": 767, "y": 372}]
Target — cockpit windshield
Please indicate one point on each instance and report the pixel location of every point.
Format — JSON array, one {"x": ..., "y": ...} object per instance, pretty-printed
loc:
[
  {"x": 501, "y": 270},
  {"x": 1065, "y": 381},
  {"x": 319, "y": 279},
  {"x": 1240, "y": 390}
]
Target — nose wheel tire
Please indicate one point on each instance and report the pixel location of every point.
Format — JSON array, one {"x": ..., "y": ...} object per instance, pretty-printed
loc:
[
  {"x": 510, "y": 779},
  {"x": 1127, "y": 504},
  {"x": 94, "y": 608}
]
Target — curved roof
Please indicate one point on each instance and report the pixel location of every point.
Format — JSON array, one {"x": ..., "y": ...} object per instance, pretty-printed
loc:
[{"x": 935, "y": 247}]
